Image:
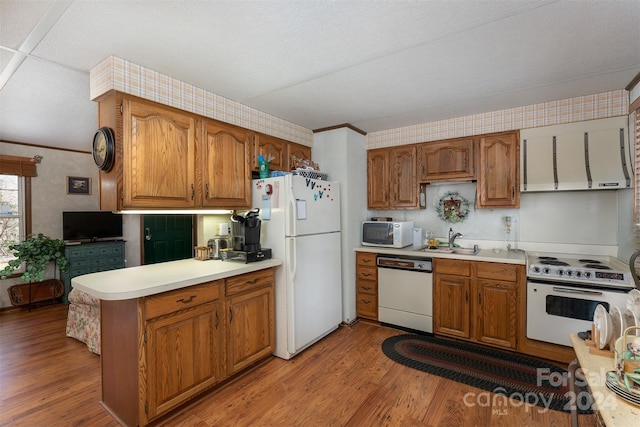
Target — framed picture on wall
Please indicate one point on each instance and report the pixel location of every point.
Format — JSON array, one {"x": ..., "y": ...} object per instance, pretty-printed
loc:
[{"x": 78, "y": 185}]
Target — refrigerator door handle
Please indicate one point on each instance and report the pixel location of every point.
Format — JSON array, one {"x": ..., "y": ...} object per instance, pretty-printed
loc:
[
  {"x": 291, "y": 321},
  {"x": 292, "y": 258},
  {"x": 292, "y": 215}
]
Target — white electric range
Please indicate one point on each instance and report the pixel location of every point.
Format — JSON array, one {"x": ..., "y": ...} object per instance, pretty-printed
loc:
[{"x": 563, "y": 291}]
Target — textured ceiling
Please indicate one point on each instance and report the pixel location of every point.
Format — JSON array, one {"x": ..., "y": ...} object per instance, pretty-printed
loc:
[{"x": 376, "y": 65}]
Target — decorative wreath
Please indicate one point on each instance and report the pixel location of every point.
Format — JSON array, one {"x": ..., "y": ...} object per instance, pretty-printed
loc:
[{"x": 453, "y": 207}]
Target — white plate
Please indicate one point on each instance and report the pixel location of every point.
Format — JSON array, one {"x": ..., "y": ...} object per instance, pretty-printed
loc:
[
  {"x": 631, "y": 319},
  {"x": 633, "y": 301},
  {"x": 602, "y": 322},
  {"x": 618, "y": 322}
]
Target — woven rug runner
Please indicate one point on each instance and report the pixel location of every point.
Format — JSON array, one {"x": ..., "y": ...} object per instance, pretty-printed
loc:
[{"x": 511, "y": 375}]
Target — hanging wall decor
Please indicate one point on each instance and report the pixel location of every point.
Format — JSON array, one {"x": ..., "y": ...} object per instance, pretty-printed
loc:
[{"x": 453, "y": 207}]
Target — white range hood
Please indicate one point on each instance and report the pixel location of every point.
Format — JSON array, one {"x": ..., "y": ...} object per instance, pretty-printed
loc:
[{"x": 589, "y": 155}]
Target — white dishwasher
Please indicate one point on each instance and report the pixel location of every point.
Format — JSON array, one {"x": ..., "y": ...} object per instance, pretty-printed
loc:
[{"x": 405, "y": 292}]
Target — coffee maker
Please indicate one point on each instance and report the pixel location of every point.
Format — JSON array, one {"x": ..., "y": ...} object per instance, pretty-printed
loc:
[{"x": 245, "y": 238}]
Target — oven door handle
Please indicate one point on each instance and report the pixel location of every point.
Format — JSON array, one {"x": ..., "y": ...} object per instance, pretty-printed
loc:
[{"x": 576, "y": 291}]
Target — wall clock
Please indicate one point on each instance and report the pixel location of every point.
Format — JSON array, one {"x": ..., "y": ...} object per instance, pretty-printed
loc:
[{"x": 104, "y": 148}]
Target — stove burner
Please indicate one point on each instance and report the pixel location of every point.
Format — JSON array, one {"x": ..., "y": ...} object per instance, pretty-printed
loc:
[
  {"x": 598, "y": 267},
  {"x": 547, "y": 258},
  {"x": 553, "y": 261},
  {"x": 589, "y": 261}
]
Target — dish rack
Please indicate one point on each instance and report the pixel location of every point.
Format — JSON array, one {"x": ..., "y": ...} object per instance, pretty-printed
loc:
[
  {"x": 625, "y": 380},
  {"x": 311, "y": 173}
]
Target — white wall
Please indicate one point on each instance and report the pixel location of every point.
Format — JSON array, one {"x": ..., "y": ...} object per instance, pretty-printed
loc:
[
  {"x": 589, "y": 222},
  {"x": 341, "y": 154}
]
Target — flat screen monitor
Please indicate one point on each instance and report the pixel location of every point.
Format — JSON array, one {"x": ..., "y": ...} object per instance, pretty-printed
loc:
[{"x": 91, "y": 226}]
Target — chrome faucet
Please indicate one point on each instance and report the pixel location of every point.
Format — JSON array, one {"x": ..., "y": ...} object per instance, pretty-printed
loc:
[{"x": 452, "y": 237}]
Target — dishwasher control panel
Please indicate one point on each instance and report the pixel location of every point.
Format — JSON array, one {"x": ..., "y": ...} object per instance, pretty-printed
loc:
[{"x": 416, "y": 264}]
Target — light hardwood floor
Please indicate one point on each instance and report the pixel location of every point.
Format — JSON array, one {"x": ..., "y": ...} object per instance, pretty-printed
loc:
[{"x": 48, "y": 379}]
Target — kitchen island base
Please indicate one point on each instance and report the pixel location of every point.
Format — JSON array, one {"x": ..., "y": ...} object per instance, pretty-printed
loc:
[{"x": 161, "y": 351}]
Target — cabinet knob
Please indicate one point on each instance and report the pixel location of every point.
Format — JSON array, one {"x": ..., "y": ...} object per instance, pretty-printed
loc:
[
  {"x": 206, "y": 191},
  {"x": 193, "y": 192}
]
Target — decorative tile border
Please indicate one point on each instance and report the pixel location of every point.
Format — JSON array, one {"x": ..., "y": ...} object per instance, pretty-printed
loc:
[
  {"x": 118, "y": 74},
  {"x": 590, "y": 107}
]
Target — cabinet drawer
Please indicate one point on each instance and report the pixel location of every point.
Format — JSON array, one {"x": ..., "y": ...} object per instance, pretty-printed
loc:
[
  {"x": 169, "y": 302},
  {"x": 497, "y": 271},
  {"x": 366, "y": 259},
  {"x": 368, "y": 287},
  {"x": 452, "y": 266},
  {"x": 366, "y": 273},
  {"x": 77, "y": 252},
  {"x": 367, "y": 306},
  {"x": 79, "y": 262},
  {"x": 247, "y": 282}
]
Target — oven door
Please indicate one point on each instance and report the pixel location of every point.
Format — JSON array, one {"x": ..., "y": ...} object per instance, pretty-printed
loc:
[{"x": 555, "y": 310}]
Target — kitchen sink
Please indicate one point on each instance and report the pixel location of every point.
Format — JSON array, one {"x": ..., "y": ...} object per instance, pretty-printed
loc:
[
  {"x": 441, "y": 249},
  {"x": 465, "y": 251},
  {"x": 446, "y": 250}
]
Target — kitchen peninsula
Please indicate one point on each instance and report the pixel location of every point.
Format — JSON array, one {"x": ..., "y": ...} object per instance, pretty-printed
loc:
[{"x": 173, "y": 330}]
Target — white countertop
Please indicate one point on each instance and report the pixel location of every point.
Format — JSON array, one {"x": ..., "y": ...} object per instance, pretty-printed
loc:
[
  {"x": 487, "y": 255},
  {"x": 145, "y": 280}
]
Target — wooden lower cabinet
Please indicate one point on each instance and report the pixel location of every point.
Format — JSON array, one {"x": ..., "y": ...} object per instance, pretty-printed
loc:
[
  {"x": 184, "y": 355},
  {"x": 451, "y": 305},
  {"x": 160, "y": 352},
  {"x": 477, "y": 301},
  {"x": 366, "y": 286},
  {"x": 250, "y": 311}
]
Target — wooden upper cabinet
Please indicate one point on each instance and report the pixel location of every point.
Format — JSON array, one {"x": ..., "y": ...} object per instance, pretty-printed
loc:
[
  {"x": 157, "y": 140},
  {"x": 391, "y": 178},
  {"x": 170, "y": 159},
  {"x": 404, "y": 187},
  {"x": 283, "y": 152},
  {"x": 226, "y": 169},
  {"x": 378, "y": 178},
  {"x": 298, "y": 151},
  {"x": 498, "y": 177},
  {"x": 270, "y": 146},
  {"x": 446, "y": 160}
]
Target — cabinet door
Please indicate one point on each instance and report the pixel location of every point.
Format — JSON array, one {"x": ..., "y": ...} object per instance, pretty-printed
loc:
[
  {"x": 270, "y": 146},
  {"x": 495, "y": 313},
  {"x": 404, "y": 187},
  {"x": 451, "y": 305},
  {"x": 250, "y": 330},
  {"x": 183, "y": 356},
  {"x": 226, "y": 167},
  {"x": 158, "y": 140},
  {"x": 297, "y": 151},
  {"x": 446, "y": 160},
  {"x": 378, "y": 179},
  {"x": 498, "y": 180}
]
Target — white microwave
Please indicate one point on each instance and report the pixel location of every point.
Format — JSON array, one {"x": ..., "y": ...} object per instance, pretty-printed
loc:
[{"x": 390, "y": 234}]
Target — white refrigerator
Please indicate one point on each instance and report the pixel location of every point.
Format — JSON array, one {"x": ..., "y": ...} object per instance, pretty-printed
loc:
[{"x": 301, "y": 225}]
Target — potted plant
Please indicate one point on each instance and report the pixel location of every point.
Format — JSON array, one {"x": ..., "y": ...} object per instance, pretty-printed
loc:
[{"x": 36, "y": 252}]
